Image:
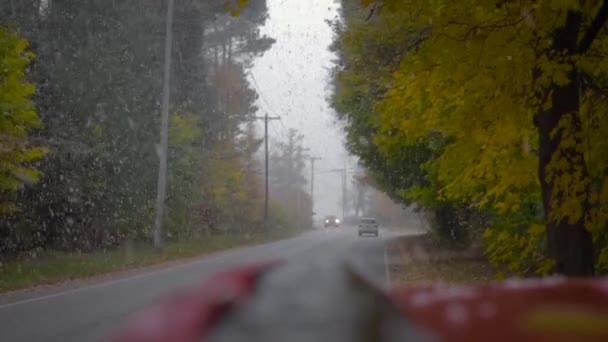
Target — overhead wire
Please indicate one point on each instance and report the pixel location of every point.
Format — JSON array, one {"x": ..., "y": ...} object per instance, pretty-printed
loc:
[
  {"x": 257, "y": 86},
  {"x": 267, "y": 104}
]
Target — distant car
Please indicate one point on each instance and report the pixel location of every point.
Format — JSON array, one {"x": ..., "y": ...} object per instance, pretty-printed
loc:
[
  {"x": 368, "y": 225},
  {"x": 331, "y": 221}
]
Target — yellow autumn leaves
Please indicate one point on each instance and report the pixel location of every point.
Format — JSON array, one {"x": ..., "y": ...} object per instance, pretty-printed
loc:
[
  {"x": 479, "y": 77},
  {"x": 17, "y": 117}
]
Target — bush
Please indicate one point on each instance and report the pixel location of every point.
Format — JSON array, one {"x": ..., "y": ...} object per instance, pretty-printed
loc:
[
  {"x": 516, "y": 240},
  {"x": 455, "y": 225}
]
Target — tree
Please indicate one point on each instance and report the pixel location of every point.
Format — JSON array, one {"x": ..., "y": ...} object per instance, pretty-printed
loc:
[
  {"x": 287, "y": 180},
  {"x": 369, "y": 53},
  {"x": 18, "y": 117},
  {"x": 98, "y": 76},
  {"x": 453, "y": 106},
  {"x": 493, "y": 75}
]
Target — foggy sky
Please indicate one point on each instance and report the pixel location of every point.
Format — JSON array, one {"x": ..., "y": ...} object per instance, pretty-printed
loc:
[{"x": 293, "y": 81}]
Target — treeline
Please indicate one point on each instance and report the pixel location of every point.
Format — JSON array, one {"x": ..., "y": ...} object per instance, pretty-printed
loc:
[
  {"x": 287, "y": 180},
  {"x": 490, "y": 116},
  {"x": 80, "y": 97}
]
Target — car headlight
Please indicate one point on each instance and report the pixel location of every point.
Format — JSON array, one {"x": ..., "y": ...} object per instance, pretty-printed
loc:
[
  {"x": 337, "y": 221},
  {"x": 326, "y": 221}
]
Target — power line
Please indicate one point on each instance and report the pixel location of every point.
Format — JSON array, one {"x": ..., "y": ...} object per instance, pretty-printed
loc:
[
  {"x": 336, "y": 170},
  {"x": 266, "y": 103},
  {"x": 275, "y": 131},
  {"x": 257, "y": 87},
  {"x": 344, "y": 172},
  {"x": 282, "y": 130}
]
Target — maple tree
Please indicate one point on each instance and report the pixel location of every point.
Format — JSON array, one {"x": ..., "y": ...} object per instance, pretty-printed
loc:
[{"x": 518, "y": 90}]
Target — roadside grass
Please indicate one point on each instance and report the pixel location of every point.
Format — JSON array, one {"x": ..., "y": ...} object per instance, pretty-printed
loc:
[
  {"x": 419, "y": 260},
  {"x": 54, "y": 267}
]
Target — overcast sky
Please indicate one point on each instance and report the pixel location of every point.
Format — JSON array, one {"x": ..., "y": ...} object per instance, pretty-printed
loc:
[{"x": 293, "y": 81}]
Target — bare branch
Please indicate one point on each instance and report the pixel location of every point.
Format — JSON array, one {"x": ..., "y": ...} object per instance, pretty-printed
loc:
[
  {"x": 371, "y": 13},
  {"x": 594, "y": 28},
  {"x": 486, "y": 25}
]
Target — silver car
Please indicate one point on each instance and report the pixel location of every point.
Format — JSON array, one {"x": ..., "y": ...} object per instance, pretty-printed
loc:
[{"x": 368, "y": 225}]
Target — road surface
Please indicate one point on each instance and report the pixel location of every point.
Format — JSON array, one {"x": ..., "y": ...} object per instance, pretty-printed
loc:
[{"x": 89, "y": 312}]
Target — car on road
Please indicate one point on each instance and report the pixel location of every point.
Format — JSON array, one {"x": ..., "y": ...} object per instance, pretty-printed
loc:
[
  {"x": 331, "y": 221},
  {"x": 368, "y": 225}
]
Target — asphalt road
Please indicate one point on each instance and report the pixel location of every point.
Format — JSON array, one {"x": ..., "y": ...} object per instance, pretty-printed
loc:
[{"x": 89, "y": 312}]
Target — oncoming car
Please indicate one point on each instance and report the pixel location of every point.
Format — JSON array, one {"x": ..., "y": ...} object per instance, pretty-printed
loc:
[
  {"x": 331, "y": 221},
  {"x": 368, "y": 225}
]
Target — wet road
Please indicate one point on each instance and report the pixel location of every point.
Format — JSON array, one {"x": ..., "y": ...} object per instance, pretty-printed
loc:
[{"x": 88, "y": 313}]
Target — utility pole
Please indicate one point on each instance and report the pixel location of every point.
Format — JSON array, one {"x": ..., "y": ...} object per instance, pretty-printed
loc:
[
  {"x": 343, "y": 172},
  {"x": 360, "y": 184},
  {"x": 298, "y": 186},
  {"x": 266, "y": 118},
  {"x": 312, "y": 182},
  {"x": 164, "y": 130}
]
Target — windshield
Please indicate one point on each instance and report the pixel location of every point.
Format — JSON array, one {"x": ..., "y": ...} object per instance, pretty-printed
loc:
[{"x": 147, "y": 144}]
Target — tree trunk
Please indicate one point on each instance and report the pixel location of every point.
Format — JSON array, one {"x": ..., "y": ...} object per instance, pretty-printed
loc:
[{"x": 569, "y": 244}]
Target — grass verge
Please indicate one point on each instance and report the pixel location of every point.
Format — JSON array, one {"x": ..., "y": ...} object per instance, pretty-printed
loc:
[
  {"x": 420, "y": 260},
  {"x": 55, "y": 267}
]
